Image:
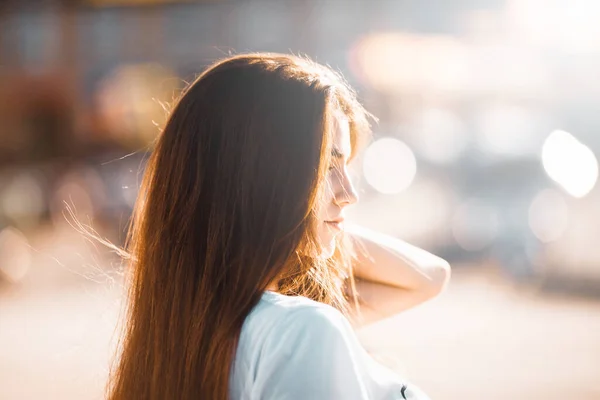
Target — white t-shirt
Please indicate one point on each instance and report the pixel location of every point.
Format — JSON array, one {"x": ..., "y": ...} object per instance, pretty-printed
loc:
[{"x": 293, "y": 348}]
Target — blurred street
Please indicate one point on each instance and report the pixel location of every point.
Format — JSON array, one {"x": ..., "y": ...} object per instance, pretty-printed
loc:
[
  {"x": 482, "y": 339},
  {"x": 485, "y": 340}
]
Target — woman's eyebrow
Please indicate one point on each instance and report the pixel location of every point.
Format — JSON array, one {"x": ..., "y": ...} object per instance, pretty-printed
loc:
[{"x": 336, "y": 153}]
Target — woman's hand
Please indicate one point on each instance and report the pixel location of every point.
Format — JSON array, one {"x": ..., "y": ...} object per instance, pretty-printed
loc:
[{"x": 392, "y": 275}]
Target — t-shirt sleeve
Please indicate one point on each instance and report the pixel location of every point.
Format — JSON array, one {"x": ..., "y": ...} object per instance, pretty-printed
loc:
[{"x": 312, "y": 354}]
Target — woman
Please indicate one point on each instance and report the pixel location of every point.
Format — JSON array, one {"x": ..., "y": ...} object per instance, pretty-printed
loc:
[{"x": 240, "y": 268}]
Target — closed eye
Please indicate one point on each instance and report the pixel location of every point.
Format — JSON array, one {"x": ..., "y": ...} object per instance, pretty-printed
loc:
[{"x": 337, "y": 158}]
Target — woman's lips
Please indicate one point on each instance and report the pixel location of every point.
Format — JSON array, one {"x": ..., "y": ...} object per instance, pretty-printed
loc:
[{"x": 338, "y": 224}]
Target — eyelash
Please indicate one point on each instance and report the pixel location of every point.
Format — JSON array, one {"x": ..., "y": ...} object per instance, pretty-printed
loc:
[{"x": 334, "y": 165}]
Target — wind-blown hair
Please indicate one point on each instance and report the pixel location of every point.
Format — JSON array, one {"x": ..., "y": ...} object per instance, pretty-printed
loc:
[{"x": 227, "y": 206}]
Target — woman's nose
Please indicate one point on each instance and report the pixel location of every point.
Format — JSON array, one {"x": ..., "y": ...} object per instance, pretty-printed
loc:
[{"x": 347, "y": 194}]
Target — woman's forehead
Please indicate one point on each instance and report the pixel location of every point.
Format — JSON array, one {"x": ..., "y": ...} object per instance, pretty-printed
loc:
[{"x": 341, "y": 134}]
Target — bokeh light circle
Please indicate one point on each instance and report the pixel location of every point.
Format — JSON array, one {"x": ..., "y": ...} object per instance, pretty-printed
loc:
[{"x": 389, "y": 166}]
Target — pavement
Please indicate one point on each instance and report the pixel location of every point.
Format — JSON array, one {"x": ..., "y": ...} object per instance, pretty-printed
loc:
[{"x": 483, "y": 339}]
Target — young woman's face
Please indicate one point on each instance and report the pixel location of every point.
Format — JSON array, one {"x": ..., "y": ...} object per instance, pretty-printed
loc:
[{"x": 339, "y": 191}]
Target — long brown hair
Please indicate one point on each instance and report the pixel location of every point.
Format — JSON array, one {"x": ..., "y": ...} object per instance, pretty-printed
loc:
[{"x": 225, "y": 208}]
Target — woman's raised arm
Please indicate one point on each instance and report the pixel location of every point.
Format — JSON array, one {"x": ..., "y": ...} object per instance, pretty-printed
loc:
[{"x": 392, "y": 275}]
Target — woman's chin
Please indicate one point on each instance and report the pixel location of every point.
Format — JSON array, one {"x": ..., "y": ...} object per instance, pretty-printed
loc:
[{"x": 328, "y": 250}]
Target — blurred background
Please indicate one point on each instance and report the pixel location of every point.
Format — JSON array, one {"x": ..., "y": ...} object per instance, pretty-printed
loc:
[{"x": 485, "y": 153}]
